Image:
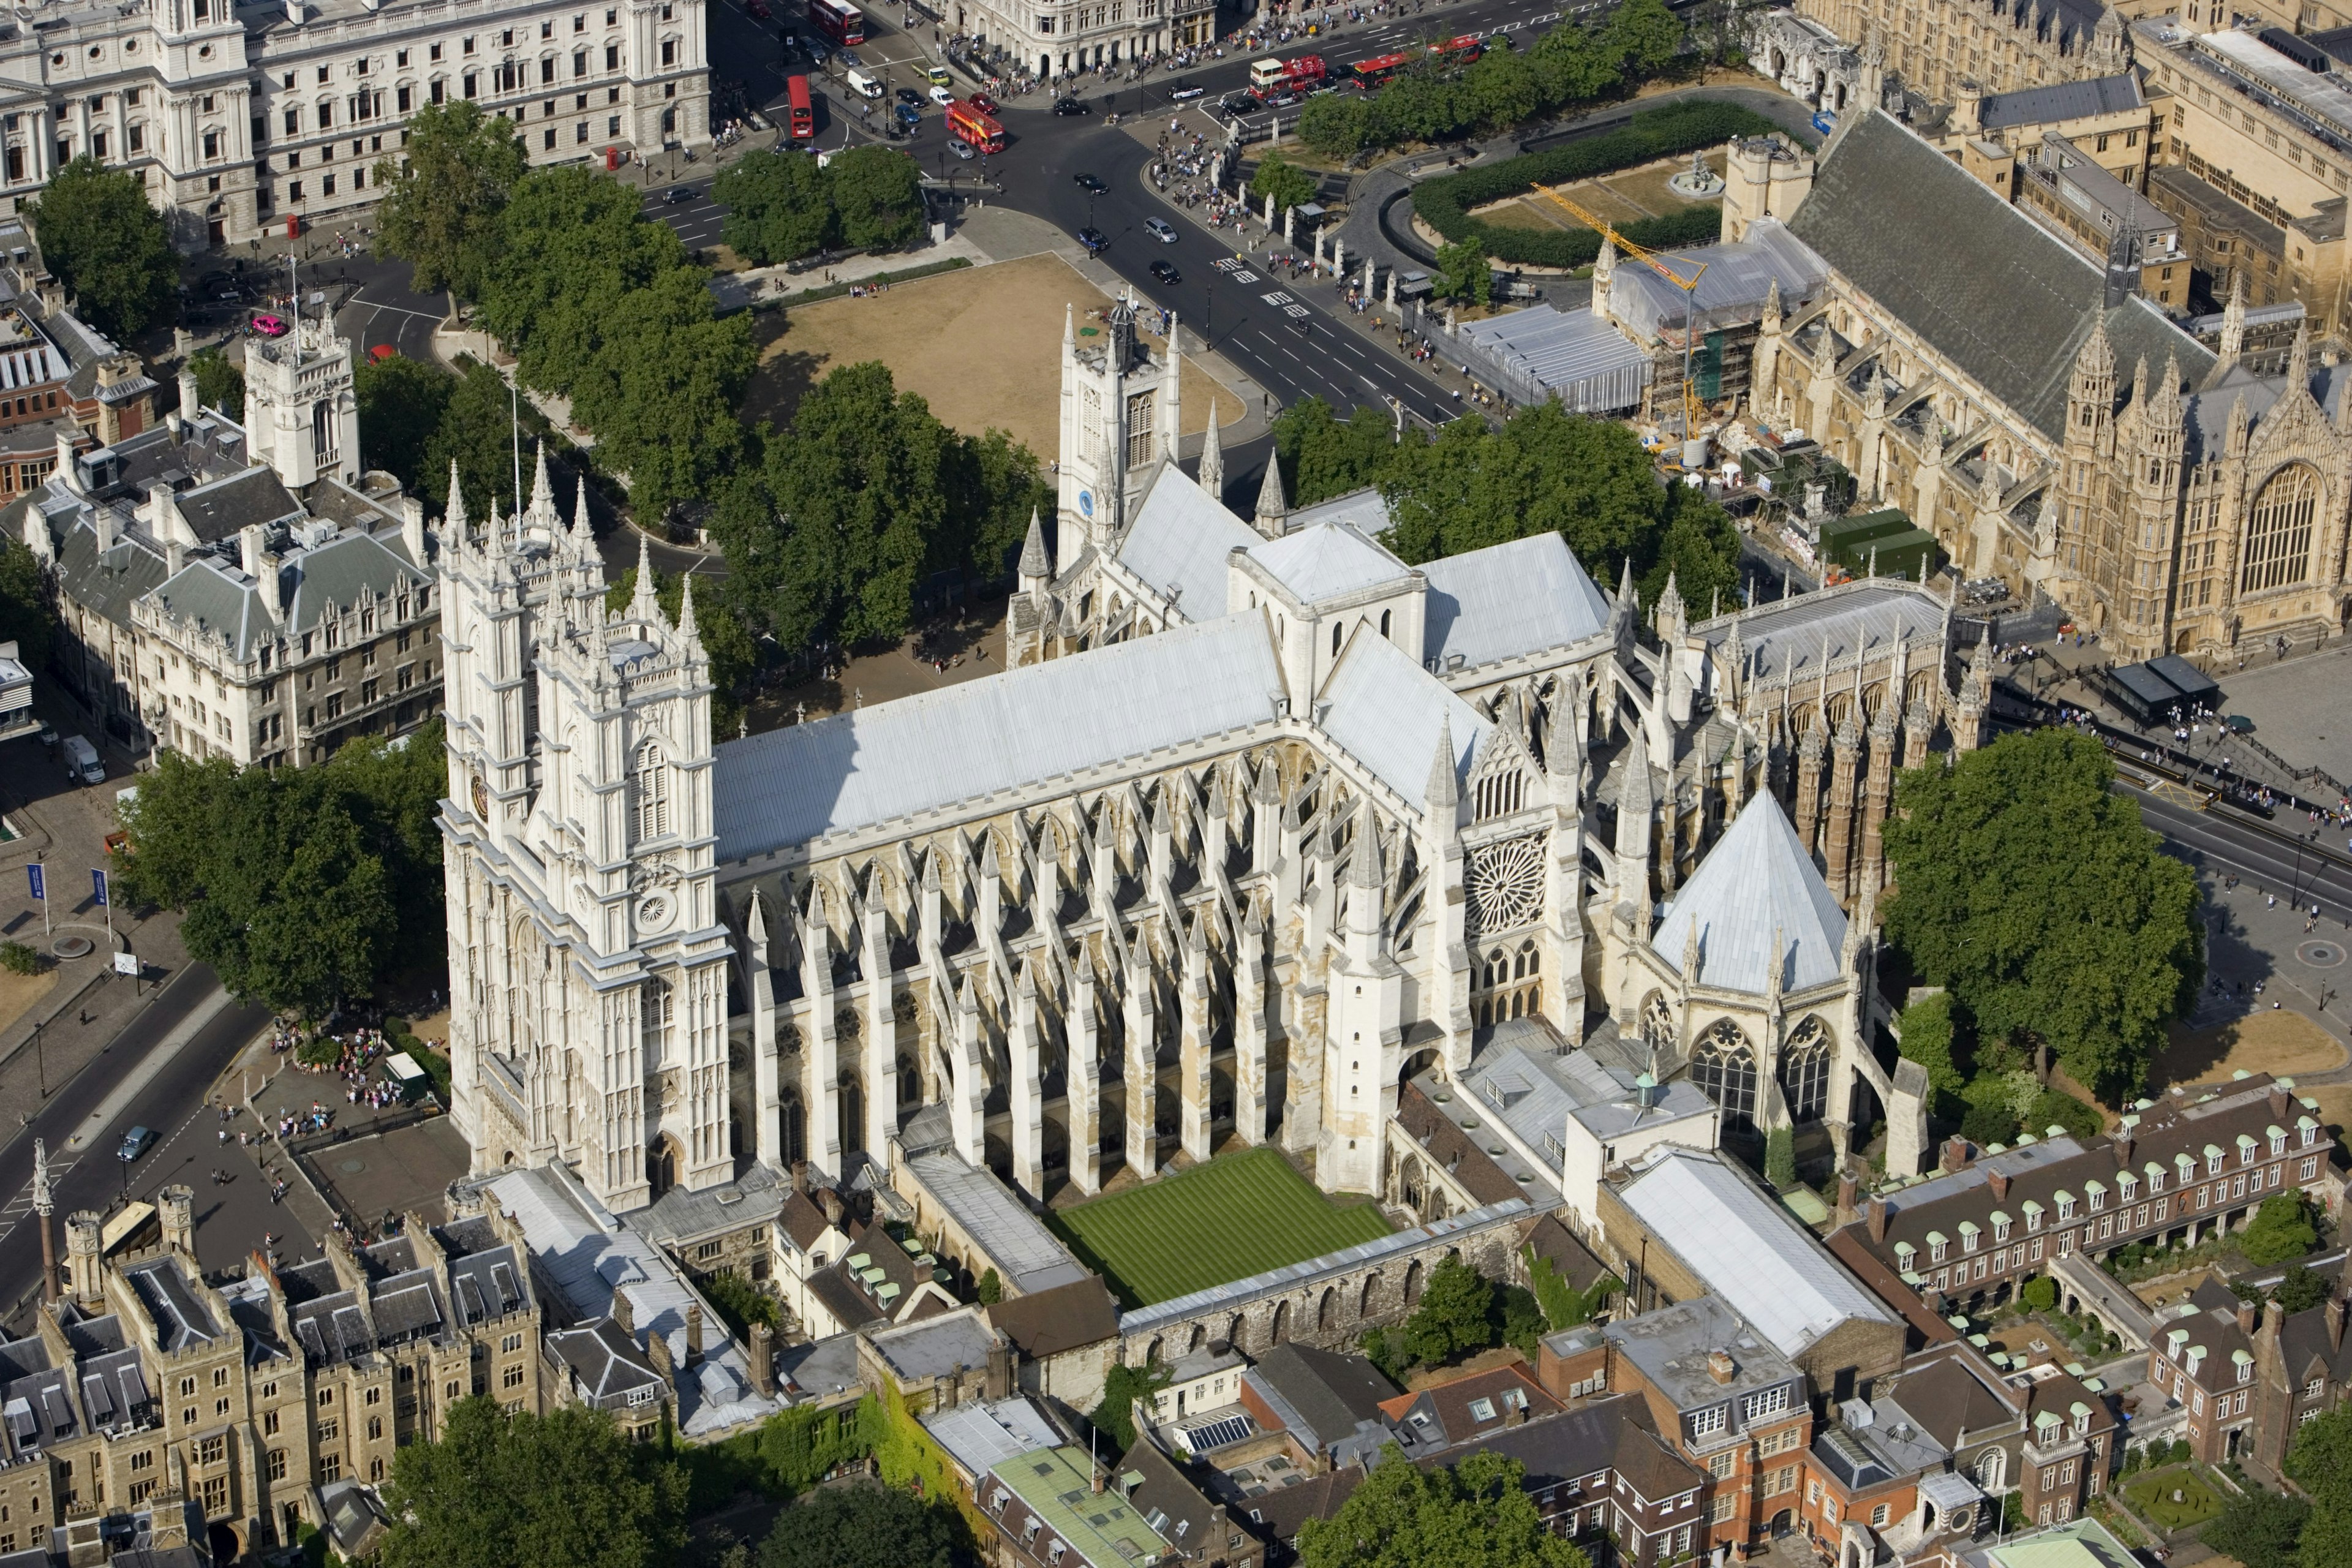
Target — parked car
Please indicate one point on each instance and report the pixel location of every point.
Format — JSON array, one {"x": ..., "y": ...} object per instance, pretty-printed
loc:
[
  {"x": 1088, "y": 184},
  {"x": 982, "y": 102},
  {"x": 383, "y": 352},
  {"x": 136, "y": 1142},
  {"x": 269, "y": 326},
  {"x": 2238, "y": 723},
  {"x": 1093, "y": 239},
  {"x": 849, "y": 58},
  {"x": 1162, "y": 272},
  {"x": 1159, "y": 230}
]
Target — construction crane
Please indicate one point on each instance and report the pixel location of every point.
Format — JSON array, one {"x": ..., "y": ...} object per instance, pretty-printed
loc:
[{"x": 1658, "y": 264}]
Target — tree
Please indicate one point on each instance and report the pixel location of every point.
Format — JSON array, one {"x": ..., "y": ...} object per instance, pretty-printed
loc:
[
  {"x": 779, "y": 206},
  {"x": 1642, "y": 34},
  {"x": 1564, "y": 1306},
  {"x": 1323, "y": 456},
  {"x": 2257, "y": 1527},
  {"x": 1453, "y": 1315},
  {"x": 2035, "y": 896},
  {"x": 219, "y": 383},
  {"x": 661, "y": 392},
  {"x": 564, "y": 1489},
  {"x": 1285, "y": 182},
  {"x": 2300, "y": 1288},
  {"x": 2282, "y": 1228},
  {"x": 574, "y": 245},
  {"x": 1926, "y": 1034},
  {"x": 24, "y": 608},
  {"x": 402, "y": 402},
  {"x": 1571, "y": 63},
  {"x": 1338, "y": 125},
  {"x": 1114, "y": 1418},
  {"x": 2041, "y": 1293},
  {"x": 109, "y": 248},
  {"x": 864, "y": 1527},
  {"x": 989, "y": 1290},
  {"x": 878, "y": 194},
  {"x": 1462, "y": 273},
  {"x": 444, "y": 193},
  {"x": 478, "y": 434},
  {"x": 2320, "y": 1462},
  {"x": 1475, "y": 1514},
  {"x": 1781, "y": 1158},
  {"x": 1503, "y": 88},
  {"x": 1519, "y": 1320}
]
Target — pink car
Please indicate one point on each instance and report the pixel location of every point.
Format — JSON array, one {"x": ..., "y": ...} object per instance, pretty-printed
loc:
[{"x": 269, "y": 326}]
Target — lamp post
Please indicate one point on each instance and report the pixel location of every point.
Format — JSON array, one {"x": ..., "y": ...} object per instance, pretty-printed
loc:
[{"x": 44, "y": 1204}]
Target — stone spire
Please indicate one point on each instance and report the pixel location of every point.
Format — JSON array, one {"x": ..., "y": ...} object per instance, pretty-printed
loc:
[
  {"x": 642, "y": 605},
  {"x": 542, "y": 493},
  {"x": 581, "y": 526},
  {"x": 1633, "y": 807},
  {"x": 453, "y": 516},
  {"x": 2298, "y": 358},
  {"x": 1444, "y": 790},
  {"x": 1069, "y": 330},
  {"x": 1036, "y": 564},
  {"x": 1621, "y": 613},
  {"x": 2233, "y": 320},
  {"x": 685, "y": 626},
  {"x": 1213, "y": 458},
  {"x": 1772, "y": 305},
  {"x": 1272, "y": 508},
  {"x": 1364, "y": 872}
]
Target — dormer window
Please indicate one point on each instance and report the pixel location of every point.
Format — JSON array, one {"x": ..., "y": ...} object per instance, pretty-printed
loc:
[
  {"x": 2212, "y": 1160},
  {"x": 1937, "y": 1245},
  {"x": 1969, "y": 1235},
  {"x": 2000, "y": 1226},
  {"x": 2032, "y": 1217},
  {"x": 2065, "y": 1207},
  {"x": 2127, "y": 1187},
  {"x": 2277, "y": 1136},
  {"x": 2154, "y": 1177},
  {"x": 2245, "y": 1365},
  {"x": 2246, "y": 1147},
  {"x": 2097, "y": 1193},
  {"x": 2307, "y": 1129}
]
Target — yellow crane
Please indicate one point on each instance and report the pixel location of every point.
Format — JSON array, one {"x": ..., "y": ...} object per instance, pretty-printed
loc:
[{"x": 1658, "y": 264}]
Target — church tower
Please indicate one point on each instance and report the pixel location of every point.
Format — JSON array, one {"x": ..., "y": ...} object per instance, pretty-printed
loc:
[
  {"x": 587, "y": 956},
  {"x": 1120, "y": 419},
  {"x": 302, "y": 412}
]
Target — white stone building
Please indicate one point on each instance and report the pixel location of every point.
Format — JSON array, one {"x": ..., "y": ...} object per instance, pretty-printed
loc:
[
  {"x": 1259, "y": 824},
  {"x": 242, "y": 116},
  {"x": 1052, "y": 35}
]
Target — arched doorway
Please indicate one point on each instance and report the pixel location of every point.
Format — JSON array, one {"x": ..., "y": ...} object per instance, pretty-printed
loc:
[
  {"x": 227, "y": 1545},
  {"x": 1279, "y": 1329},
  {"x": 662, "y": 1163}
]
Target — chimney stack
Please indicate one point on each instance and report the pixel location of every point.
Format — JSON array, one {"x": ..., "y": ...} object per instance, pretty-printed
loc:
[
  {"x": 763, "y": 1358},
  {"x": 250, "y": 540},
  {"x": 1000, "y": 1372},
  {"x": 1955, "y": 1153},
  {"x": 2250, "y": 1314},
  {"x": 2335, "y": 1322},
  {"x": 1998, "y": 1180},
  {"x": 189, "y": 401},
  {"x": 1849, "y": 1189},
  {"x": 2280, "y": 1101},
  {"x": 694, "y": 1333},
  {"x": 624, "y": 1311},
  {"x": 67, "y": 469},
  {"x": 657, "y": 1350},
  {"x": 830, "y": 1200},
  {"x": 1874, "y": 1216},
  {"x": 800, "y": 1176},
  {"x": 1720, "y": 1366},
  {"x": 412, "y": 528}
]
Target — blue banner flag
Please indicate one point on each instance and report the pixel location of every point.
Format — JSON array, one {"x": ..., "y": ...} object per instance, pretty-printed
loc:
[
  {"x": 40, "y": 881},
  {"x": 98, "y": 885}
]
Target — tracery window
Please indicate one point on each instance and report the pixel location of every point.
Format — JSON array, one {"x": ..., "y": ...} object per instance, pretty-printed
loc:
[
  {"x": 1805, "y": 1071},
  {"x": 651, "y": 793},
  {"x": 1723, "y": 1066},
  {"x": 2278, "y": 532}
]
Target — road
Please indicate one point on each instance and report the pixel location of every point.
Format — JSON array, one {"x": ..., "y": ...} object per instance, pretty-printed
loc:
[
  {"x": 2274, "y": 858},
  {"x": 1284, "y": 335},
  {"x": 198, "y": 1033}
]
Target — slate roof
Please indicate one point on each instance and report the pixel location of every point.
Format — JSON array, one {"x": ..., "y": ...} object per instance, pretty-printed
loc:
[
  {"x": 1786, "y": 639},
  {"x": 1328, "y": 560},
  {"x": 105, "y": 585},
  {"x": 1756, "y": 888},
  {"x": 2006, "y": 302},
  {"x": 1746, "y": 1248},
  {"x": 1386, "y": 711},
  {"x": 1509, "y": 599},
  {"x": 1460, "y": 1154},
  {"x": 221, "y": 509},
  {"x": 999, "y": 733},
  {"x": 1014, "y": 1238},
  {"x": 220, "y": 598},
  {"x": 1577, "y": 1446},
  {"x": 2062, "y": 101},
  {"x": 1180, "y": 538},
  {"x": 1043, "y": 1325},
  {"x": 606, "y": 1360},
  {"x": 342, "y": 572},
  {"x": 1946, "y": 1398},
  {"x": 1463, "y": 1408}
]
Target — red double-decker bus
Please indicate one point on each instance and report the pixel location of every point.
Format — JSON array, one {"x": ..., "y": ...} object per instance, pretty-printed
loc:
[
  {"x": 1461, "y": 51},
  {"x": 845, "y": 25},
  {"x": 977, "y": 129},
  {"x": 1377, "y": 72},
  {"x": 803, "y": 115}
]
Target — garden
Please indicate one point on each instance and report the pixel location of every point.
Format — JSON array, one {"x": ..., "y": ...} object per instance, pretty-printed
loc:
[{"x": 2173, "y": 1499}]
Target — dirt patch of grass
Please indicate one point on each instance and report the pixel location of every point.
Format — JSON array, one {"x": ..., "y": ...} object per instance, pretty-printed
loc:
[
  {"x": 1647, "y": 186},
  {"x": 982, "y": 345},
  {"x": 19, "y": 992},
  {"x": 1518, "y": 214},
  {"x": 2281, "y": 1042}
]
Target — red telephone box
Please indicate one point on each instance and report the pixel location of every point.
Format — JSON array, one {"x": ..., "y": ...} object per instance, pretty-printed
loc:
[
  {"x": 612, "y": 159},
  {"x": 293, "y": 225}
]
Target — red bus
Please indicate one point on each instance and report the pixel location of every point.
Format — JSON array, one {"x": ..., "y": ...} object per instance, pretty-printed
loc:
[
  {"x": 1375, "y": 72},
  {"x": 845, "y": 25},
  {"x": 968, "y": 125},
  {"x": 803, "y": 116},
  {"x": 1461, "y": 51}
]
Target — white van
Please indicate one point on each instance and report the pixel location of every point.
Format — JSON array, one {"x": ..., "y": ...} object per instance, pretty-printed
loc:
[
  {"x": 864, "y": 86},
  {"x": 81, "y": 760}
]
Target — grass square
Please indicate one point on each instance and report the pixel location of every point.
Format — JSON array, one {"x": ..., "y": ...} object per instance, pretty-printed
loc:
[
  {"x": 1237, "y": 1216},
  {"x": 2152, "y": 1495}
]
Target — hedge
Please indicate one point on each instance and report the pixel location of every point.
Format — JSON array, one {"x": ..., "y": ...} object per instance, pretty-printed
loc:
[{"x": 1445, "y": 203}]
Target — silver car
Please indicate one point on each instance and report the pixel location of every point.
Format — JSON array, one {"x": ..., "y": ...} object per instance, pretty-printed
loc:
[{"x": 1158, "y": 228}]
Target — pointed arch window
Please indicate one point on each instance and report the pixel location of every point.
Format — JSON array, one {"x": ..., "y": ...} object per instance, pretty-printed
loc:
[
  {"x": 1805, "y": 1071},
  {"x": 650, "y": 793},
  {"x": 2278, "y": 532},
  {"x": 653, "y": 1016},
  {"x": 1724, "y": 1067}
]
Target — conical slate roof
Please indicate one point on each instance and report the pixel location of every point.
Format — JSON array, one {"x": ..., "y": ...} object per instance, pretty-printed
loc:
[{"x": 1758, "y": 880}]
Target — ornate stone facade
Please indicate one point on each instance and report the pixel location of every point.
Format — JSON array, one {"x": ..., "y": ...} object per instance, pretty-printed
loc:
[{"x": 1936, "y": 45}]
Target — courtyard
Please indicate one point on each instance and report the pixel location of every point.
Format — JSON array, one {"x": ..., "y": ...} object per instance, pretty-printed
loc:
[
  {"x": 2173, "y": 1499},
  {"x": 1239, "y": 1214},
  {"x": 982, "y": 345}
]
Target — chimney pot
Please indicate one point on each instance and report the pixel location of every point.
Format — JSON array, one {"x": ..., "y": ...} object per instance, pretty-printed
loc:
[
  {"x": 1998, "y": 1180},
  {"x": 1955, "y": 1153},
  {"x": 2250, "y": 1314},
  {"x": 1875, "y": 1217},
  {"x": 830, "y": 1200},
  {"x": 763, "y": 1358},
  {"x": 1848, "y": 1190},
  {"x": 1720, "y": 1366},
  {"x": 800, "y": 1176},
  {"x": 625, "y": 1312},
  {"x": 2280, "y": 1100},
  {"x": 693, "y": 1333}
]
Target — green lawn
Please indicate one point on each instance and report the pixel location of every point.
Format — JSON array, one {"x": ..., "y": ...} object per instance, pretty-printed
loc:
[
  {"x": 2152, "y": 1495},
  {"x": 1233, "y": 1217}
]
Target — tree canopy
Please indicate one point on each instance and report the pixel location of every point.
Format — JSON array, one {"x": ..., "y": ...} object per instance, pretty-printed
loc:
[
  {"x": 732, "y": 653},
  {"x": 300, "y": 885},
  {"x": 2032, "y": 893},
  {"x": 219, "y": 383},
  {"x": 1545, "y": 470},
  {"x": 107, "y": 245},
  {"x": 24, "y": 608},
  {"x": 865, "y": 497},
  {"x": 1114, "y": 1417},
  {"x": 1285, "y": 182},
  {"x": 1454, "y": 1314},
  {"x": 402, "y": 403},
  {"x": 2258, "y": 1526},
  {"x": 564, "y": 1489},
  {"x": 2282, "y": 1228},
  {"x": 2320, "y": 1462},
  {"x": 864, "y": 1527},
  {"x": 477, "y": 431},
  {"x": 782, "y": 205},
  {"x": 444, "y": 195},
  {"x": 1475, "y": 1514}
]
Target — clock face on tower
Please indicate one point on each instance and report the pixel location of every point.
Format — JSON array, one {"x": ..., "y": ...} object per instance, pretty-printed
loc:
[
  {"x": 1086, "y": 503},
  {"x": 481, "y": 798}
]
